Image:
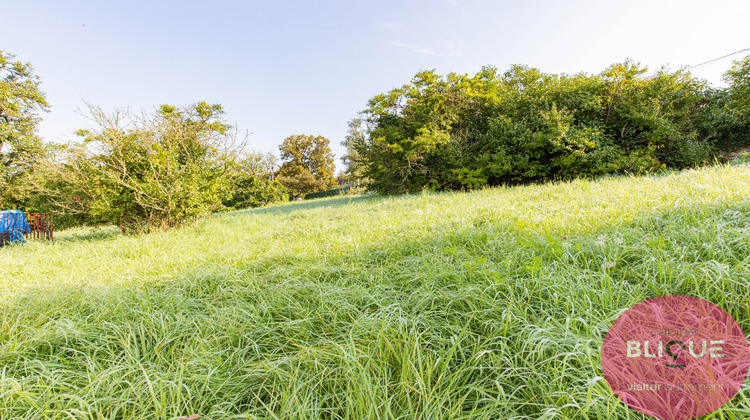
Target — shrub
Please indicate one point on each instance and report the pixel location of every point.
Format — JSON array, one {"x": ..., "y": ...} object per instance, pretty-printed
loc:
[
  {"x": 146, "y": 172},
  {"x": 461, "y": 131},
  {"x": 252, "y": 191}
]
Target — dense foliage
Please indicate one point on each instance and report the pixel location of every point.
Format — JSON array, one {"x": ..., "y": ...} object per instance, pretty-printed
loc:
[
  {"x": 250, "y": 191},
  {"x": 354, "y": 167},
  {"x": 20, "y": 102},
  {"x": 307, "y": 164},
  {"x": 738, "y": 78},
  {"x": 302, "y": 182},
  {"x": 146, "y": 172},
  {"x": 437, "y": 132},
  {"x": 252, "y": 185},
  {"x": 328, "y": 193},
  {"x": 462, "y": 132},
  {"x": 727, "y": 119}
]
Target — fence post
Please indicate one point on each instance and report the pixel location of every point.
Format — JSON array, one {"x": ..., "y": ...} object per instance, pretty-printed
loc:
[{"x": 40, "y": 226}]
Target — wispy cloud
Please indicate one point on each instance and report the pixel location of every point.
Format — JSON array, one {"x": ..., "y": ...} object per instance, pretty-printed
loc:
[
  {"x": 397, "y": 28},
  {"x": 406, "y": 34},
  {"x": 447, "y": 49},
  {"x": 414, "y": 48}
]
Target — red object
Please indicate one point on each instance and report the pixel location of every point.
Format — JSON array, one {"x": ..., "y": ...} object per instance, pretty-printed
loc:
[
  {"x": 675, "y": 357},
  {"x": 40, "y": 227}
]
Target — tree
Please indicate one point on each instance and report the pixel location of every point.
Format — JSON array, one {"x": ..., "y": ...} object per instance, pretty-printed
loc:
[
  {"x": 20, "y": 102},
  {"x": 302, "y": 182},
  {"x": 726, "y": 112},
  {"x": 355, "y": 137},
  {"x": 461, "y": 132},
  {"x": 252, "y": 191},
  {"x": 259, "y": 164},
  {"x": 252, "y": 182},
  {"x": 308, "y": 164},
  {"x": 738, "y": 79},
  {"x": 146, "y": 172}
]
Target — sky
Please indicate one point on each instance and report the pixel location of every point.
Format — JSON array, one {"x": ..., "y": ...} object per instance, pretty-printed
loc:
[{"x": 281, "y": 68}]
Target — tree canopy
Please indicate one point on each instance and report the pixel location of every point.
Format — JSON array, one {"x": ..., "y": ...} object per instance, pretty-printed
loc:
[
  {"x": 21, "y": 101},
  {"x": 354, "y": 166},
  {"x": 145, "y": 172},
  {"x": 252, "y": 181},
  {"x": 460, "y": 131},
  {"x": 726, "y": 121},
  {"x": 738, "y": 78},
  {"x": 308, "y": 164}
]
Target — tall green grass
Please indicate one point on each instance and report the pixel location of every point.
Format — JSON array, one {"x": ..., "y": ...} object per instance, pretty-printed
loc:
[{"x": 490, "y": 304}]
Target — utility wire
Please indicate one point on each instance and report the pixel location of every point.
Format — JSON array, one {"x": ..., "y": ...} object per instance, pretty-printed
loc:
[{"x": 716, "y": 59}]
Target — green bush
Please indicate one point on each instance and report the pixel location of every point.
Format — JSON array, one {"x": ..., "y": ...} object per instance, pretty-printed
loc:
[
  {"x": 143, "y": 173},
  {"x": 327, "y": 193},
  {"x": 726, "y": 122},
  {"x": 252, "y": 191},
  {"x": 461, "y": 131}
]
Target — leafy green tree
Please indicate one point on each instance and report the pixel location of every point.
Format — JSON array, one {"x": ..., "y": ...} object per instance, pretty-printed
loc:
[
  {"x": 354, "y": 171},
  {"x": 251, "y": 191},
  {"x": 252, "y": 182},
  {"x": 726, "y": 112},
  {"x": 304, "y": 156},
  {"x": 259, "y": 164},
  {"x": 523, "y": 125},
  {"x": 738, "y": 79},
  {"x": 146, "y": 172},
  {"x": 302, "y": 182},
  {"x": 21, "y": 100}
]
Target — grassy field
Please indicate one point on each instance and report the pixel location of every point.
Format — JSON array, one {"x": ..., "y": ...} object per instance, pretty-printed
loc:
[{"x": 490, "y": 304}]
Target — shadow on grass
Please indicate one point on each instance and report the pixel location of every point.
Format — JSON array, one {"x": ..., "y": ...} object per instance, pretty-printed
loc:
[
  {"x": 419, "y": 294},
  {"x": 91, "y": 233},
  {"x": 452, "y": 262},
  {"x": 88, "y": 234},
  {"x": 82, "y": 234},
  {"x": 306, "y": 205}
]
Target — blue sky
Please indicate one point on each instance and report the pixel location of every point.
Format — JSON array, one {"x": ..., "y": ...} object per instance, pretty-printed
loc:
[{"x": 293, "y": 67}]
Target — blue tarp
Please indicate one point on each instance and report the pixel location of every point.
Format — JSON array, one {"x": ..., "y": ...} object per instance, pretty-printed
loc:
[{"x": 13, "y": 223}]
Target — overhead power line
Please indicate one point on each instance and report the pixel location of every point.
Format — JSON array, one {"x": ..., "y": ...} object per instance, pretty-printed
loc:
[{"x": 716, "y": 59}]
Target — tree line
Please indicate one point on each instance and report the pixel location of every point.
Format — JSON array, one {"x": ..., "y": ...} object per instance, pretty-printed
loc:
[
  {"x": 522, "y": 125},
  {"x": 159, "y": 170},
  {"x": 147, "y": 171}
]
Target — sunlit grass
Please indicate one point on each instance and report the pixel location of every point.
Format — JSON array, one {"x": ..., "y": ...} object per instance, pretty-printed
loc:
[{"x": 490, "y": 304}]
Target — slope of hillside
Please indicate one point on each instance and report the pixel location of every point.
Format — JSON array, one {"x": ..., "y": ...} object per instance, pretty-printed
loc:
[{"x": 490, "y": 304}]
